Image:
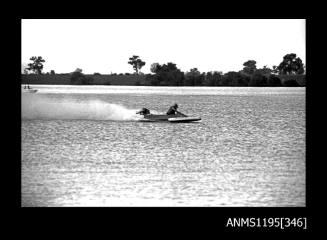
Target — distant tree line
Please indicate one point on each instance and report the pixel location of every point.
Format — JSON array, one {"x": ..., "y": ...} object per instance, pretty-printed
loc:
[{"x": 170, "y": 75}]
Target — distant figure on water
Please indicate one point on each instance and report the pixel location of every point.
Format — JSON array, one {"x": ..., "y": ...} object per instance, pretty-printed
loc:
[{"x": 173, "y": 109}]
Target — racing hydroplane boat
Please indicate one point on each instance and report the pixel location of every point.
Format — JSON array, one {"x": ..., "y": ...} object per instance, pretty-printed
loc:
[
  {"x": 28, "y": 89},
  {"x": 174, "y": 118}
]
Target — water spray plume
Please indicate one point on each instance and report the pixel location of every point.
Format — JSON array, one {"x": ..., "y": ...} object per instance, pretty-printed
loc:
[{"x": 42, "y": 107}]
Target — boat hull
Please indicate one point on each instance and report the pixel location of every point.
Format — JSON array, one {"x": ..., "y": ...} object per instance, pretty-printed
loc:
[
  {"x": 30, "y": 90},
  {"x": 176, "y": 118},
  {"x": 184, "y": 119}
]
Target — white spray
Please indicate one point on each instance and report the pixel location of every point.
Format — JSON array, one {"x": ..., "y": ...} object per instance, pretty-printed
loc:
[{"x": 36, "y": 106}]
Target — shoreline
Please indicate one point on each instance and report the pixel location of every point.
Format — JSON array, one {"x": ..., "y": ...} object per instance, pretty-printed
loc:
[
  {"x": 92, "y": 85},
  {"x": 143, "y": 80}
]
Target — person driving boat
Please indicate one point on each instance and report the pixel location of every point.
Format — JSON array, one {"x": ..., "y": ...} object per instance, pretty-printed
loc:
[{"x": 173, "y": 109}]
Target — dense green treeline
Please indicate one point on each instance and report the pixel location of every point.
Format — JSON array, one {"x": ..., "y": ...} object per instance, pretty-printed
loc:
[
  {"x": 169, "y": 75},
  {"x": 145, "y": 80},
  {"x": 228, "y": 79},
  {"x": 290, "y": 72}
]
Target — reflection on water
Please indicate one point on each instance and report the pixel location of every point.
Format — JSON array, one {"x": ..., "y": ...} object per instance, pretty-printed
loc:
[{"x": 248, "y": 150}]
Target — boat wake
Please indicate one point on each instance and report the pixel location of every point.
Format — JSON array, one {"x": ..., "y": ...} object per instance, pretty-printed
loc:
[{"x": 42, "y": 107}]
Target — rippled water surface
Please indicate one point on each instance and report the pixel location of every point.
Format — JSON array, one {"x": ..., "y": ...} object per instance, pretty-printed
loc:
[{"x": 83, "y": 146}]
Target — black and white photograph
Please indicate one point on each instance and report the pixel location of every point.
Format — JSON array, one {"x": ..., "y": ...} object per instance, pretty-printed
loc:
[{"x": 163, "y": 112}]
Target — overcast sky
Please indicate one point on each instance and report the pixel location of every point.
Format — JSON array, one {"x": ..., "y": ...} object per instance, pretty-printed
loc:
[{"x": 105, "y": 46}]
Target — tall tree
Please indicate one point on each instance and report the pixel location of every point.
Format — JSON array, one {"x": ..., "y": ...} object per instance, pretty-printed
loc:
[
  {"x": 154, "y": 67},
  {"x": 137, "y": 63},
  {"x": 249, "y": 67},
  {"x": 166, "y": 75},
  {"x": 291, "y": 65},
  {"x": 36, "y": 66}
]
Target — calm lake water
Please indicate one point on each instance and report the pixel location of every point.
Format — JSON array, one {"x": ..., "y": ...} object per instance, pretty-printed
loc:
[{"x": 84, "y": 146}]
